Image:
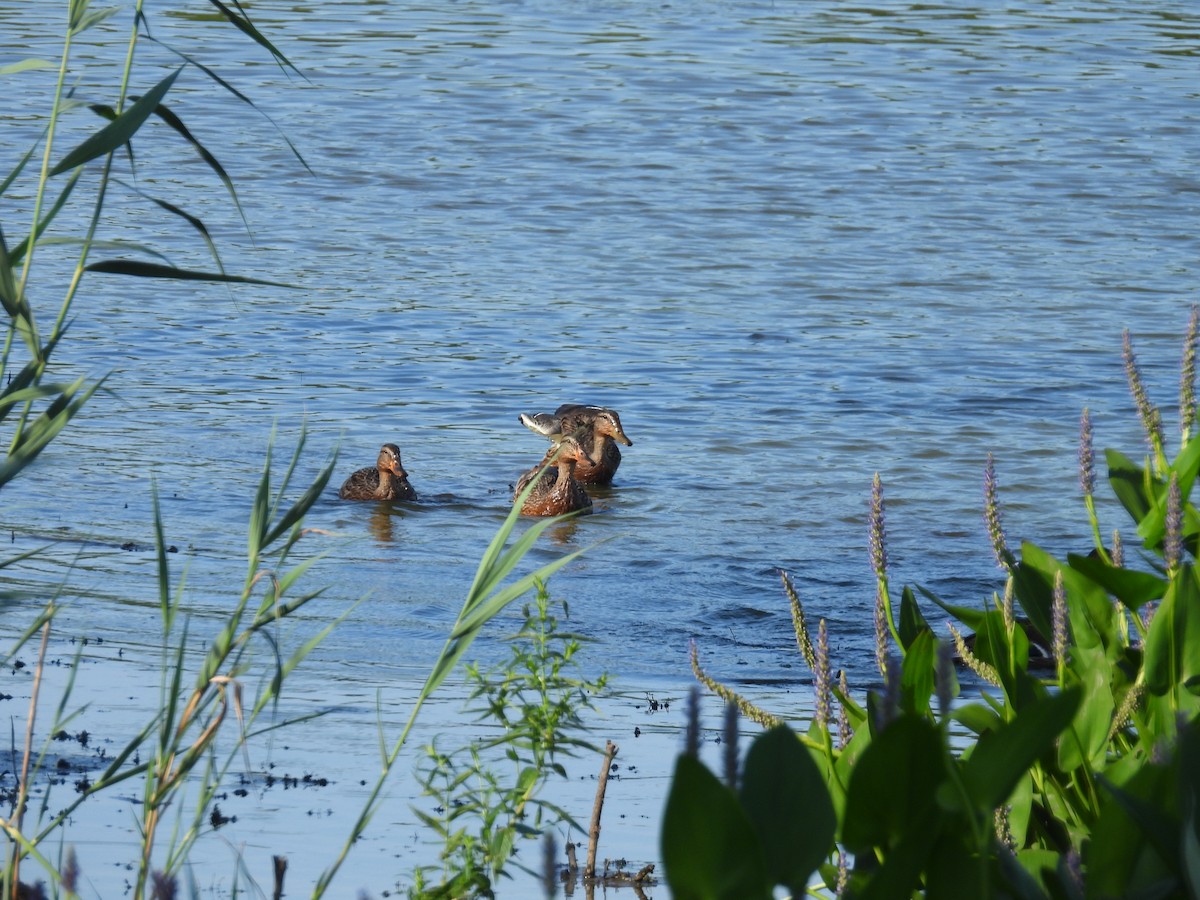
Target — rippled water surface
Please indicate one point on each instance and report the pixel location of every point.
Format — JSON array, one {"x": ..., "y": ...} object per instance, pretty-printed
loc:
[{"x": 793, "y": 244}]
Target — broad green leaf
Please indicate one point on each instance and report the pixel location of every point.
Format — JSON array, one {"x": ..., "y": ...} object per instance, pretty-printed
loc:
[
  {"x": 119, "y": 131},
  {"x": 1001, "y": 757},
  {"x": 972, "y": 618},
  {"x": 977, "y": 718},
  {"x": 881, "y": 806},
  {"x": 1129, "y": 481},
  {"x": 1009, "y": 656},
  {"x": 917, "y": 674},
  {"x": 1173, "y": 644},
  {"x": 900, "y": 873},
  {"x": 1134, "y": 843},
  {"x": 709, "y": 848},
  {"x": 785, "y": 797},
  {"x": 911, "y": 623},
  {"x": 1086, "y": 741},
  {"x": 1153, "y": 525},
  {"x": 1089, "y": 608},
  {"x": 1134, "y": 589}
]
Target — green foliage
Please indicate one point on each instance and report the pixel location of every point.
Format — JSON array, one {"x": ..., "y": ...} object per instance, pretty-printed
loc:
[
  {"x": 1076, "y": 779},
  {"x": 486, "y": 796},
  {"x": 183, "y": 751}
]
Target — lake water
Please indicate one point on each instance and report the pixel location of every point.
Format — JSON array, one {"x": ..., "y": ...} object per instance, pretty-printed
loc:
[{"x": 793, "y": 244}]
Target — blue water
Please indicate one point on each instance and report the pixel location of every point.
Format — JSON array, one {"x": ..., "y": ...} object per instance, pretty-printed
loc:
[{"x": 793, "y": 244}]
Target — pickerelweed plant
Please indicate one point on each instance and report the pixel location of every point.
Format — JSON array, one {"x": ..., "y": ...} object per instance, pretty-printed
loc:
[
  {"x": 1077, "y": 772},
  {"x": 485, "y": 800}
]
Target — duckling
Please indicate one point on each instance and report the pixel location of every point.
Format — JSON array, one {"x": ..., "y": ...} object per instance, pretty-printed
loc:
[
  {"x": 602, "y": 428},
  {"x": 557, "y": 490},
  {"x": 386, "y": 480}
]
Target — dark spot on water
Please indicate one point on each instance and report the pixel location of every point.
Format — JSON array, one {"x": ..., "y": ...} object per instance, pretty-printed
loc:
[{"x": 216, "y": 819}]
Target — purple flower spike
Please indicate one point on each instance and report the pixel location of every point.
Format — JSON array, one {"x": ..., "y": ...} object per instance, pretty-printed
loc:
[
  {"x": 1173, "y": 541},
  {"x": 1087, "y": 460},
  {"x": 1059, "y": 618}
]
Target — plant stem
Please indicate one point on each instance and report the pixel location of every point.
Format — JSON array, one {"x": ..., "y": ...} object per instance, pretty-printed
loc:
[{"x": 23, "y": 790}]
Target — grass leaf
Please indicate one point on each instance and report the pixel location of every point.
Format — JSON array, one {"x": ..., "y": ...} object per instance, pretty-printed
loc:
[
  {"x": 139, "y": 269},
  {"x": 120, "y": 130}
]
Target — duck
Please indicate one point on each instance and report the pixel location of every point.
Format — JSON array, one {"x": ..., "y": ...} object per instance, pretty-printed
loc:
[
  {"x": 602, "y": 427},
  {"x": 557, "y": 491},
  {"x": 386, "y": 480}
]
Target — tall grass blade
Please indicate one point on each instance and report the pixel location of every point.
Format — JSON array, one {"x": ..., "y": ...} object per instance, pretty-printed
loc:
[
  {"x": 20, "y": 166},
  {"x": 233, "y": 90},
  {"x": 197, "y": 224},
  {"x": 168, "y": 116},
  {"x": 26, "y": 65},
  {"x": 119, "y": 131},
  {"x": 154, "y": 270},
  {"x": 93, "y": 19},
  {"x": 242, "y": 23},
  {"x": 43, "y": 429},
  {"x": 20, "y": 249}
]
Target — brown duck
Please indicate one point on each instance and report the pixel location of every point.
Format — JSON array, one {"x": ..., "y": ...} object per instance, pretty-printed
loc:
[
  {"x": 557, "y": 491},
  {"x": 602, "y": 430},
  {"x": 386, "y": 480}
]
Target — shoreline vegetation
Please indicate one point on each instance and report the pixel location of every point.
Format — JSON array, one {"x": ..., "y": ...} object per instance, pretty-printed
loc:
[
  {"x": 1079, "y": 778},
  {"x": 190, "y": 744},
  {"x": 1080, "y": 774}
]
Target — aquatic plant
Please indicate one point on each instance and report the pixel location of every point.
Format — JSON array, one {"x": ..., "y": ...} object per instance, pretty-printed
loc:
[
  {"x": 486, "y": 797},
  {"x": 179, "y": 743},
  {"x": 1084, "y": 781},
  {"x": 205, "y": 716}
]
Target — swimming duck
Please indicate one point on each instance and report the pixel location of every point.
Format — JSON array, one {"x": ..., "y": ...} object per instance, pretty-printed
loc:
[
  {"x": 602, "y": 428},
  {"x": 557, "y": 491},
  {"x": 386, "y": 480}
]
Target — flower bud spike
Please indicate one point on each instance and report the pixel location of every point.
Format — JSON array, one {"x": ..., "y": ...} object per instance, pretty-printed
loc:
[
  {"x": 799, "y": 625},
  {"x": 1173, "y": 539},
  {"x": 1147, "y": 412},
  {"x": 1058, "y": 615},
  {"x": 845, "y": 732},
  {"x": 991, "y": 515},
  {"x": 1187, "y": 381},
  {"x": 822, "y": 683},
  {"x": 1087, "y": 459}
]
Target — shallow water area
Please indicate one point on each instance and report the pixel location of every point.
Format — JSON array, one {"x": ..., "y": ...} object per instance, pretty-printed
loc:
[
  {"x": 793, "y": 245},
  {"x": 301, "y": 787}
]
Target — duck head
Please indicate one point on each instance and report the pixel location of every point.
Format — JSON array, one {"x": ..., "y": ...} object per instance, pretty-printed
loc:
[
  {"x": 608, "y": 423},
  {"x": 572, "y": 447},
  {"x": 389, "y": 461}
]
